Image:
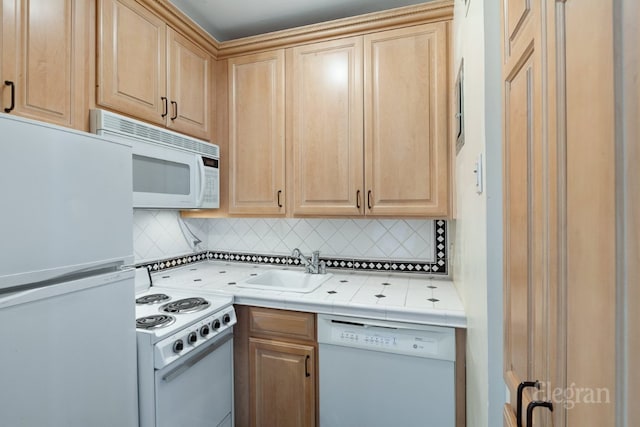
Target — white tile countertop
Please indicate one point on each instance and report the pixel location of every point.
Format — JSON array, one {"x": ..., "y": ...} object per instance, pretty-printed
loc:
[{"x": 385, "y": 296}]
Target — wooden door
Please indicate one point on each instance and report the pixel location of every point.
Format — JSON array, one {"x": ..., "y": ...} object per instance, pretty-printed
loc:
[
  {"x": 256, "y": 134},
  {"x": 189, "y": 87},
  {"x": 564, "y": 203},
  {"x": 282, "y": 384},
  {"x": 530, "y": 211},
  {"x": 43, "y": 56},
  {"x": 132, "y": 67},
  {"x": 406, "y": 108},
  {"x": 325, "y": 124}
]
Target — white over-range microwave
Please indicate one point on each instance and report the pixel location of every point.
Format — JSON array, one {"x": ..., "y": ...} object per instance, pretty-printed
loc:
[{"x": 170, "y": 170}]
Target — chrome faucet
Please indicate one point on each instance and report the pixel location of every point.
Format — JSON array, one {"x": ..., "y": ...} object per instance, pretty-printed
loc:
[{"x": 313, "y": 265}]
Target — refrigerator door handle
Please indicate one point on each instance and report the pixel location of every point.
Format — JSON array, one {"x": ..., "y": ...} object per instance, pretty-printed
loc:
[{"x": 69, "y": 275}]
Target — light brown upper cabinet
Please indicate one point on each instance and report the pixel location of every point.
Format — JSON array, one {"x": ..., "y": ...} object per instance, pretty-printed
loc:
[
  {"x": 188, "y": 86},
  {"x": 149, "y": 71},
  {"x": 368, "y": 124},
  {"x": 325, "y": 119},
  {"x": 406, "y": 109},
  {"x": 256, "y": 134},
  {"x": 43, "y": 50}
]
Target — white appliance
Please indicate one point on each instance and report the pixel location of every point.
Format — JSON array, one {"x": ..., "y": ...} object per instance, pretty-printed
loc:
[
  {"x": 170, "y": 170},
  {"x": 68, "y": 353},
  {"x": 185, "y": 358},
  {"x": 378, "y": 373}
]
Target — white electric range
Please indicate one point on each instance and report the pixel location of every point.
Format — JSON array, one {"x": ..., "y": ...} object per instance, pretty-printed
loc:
[{"x": 185, "y": 356}]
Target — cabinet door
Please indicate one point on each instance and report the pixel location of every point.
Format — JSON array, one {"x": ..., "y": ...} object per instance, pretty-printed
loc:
[
  {"x": 189, "y": 87},
  {"x": 406, "y": 109},
  {"x": 131, "y": 60},
  {"x": 256, "y": 134},
  {"x": 282, "y": 384},
  {"x": 325, "y": 119},
  {"x": 43, "y": 56}
]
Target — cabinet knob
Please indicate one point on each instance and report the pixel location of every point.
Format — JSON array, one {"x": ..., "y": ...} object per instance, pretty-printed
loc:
[
  {"x": 521, "y": 387},
  {"x": 13, "y": 96},
  {"x": 536, "y": 404}
]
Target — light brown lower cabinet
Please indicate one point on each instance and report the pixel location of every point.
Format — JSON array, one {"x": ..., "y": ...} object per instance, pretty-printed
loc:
[
  {"x": 275, "y": 368},
  {"x": 282, "y": 382}
]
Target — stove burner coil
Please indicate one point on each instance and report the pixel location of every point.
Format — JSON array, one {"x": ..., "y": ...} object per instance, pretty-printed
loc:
[
  {"x": 155, "y": 321},
  {"x": 153, "y": 299},
  {"x": 186, "y": 305}
]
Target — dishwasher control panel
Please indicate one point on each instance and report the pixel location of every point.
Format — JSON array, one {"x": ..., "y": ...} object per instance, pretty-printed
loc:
[{"x": 394, "y": 337}]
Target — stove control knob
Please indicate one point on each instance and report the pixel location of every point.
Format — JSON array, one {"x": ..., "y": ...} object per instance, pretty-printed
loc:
[
  {"x": 226, "y": 319},
  {"x": 204, "y": 331},
  {"x": 178, "y": 346},
  {"x": 192, "y": 338},
  {"x": 215, "y": 325}
]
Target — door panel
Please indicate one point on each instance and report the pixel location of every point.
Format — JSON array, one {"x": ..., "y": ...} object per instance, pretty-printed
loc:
[
  {"x": 189, "y": 87},
  {"x": 256, "y": 134},
  {"x": 530, "y": 214},
  {"x": 131, "y": 76},
  {"x": 406, "y": 136},
  {"x": 326, "y": 122},
  {"x": 278, "y": 373},
  {"x": 44, "y": 52},
  {"x": 519, "y": 291}
]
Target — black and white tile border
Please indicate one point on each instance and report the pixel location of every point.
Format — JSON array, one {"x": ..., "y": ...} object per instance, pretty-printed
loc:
[{"x": 437, "y": 267}]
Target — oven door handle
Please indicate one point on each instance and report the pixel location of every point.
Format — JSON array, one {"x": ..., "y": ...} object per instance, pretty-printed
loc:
[{"x": 175, "y": 373}]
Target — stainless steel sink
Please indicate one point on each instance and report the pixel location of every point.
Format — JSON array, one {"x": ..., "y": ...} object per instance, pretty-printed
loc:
[{"x": 286, "y": 280}]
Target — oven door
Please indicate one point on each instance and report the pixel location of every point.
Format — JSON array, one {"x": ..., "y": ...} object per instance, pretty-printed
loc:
[{"x": 197, "y": 390}]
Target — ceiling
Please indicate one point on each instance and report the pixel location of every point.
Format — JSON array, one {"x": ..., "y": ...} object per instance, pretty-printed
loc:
[{"x": 232, "y": 19}]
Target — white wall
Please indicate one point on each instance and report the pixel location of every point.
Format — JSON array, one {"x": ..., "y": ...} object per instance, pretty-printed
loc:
[{"x": 478, "y": 238}]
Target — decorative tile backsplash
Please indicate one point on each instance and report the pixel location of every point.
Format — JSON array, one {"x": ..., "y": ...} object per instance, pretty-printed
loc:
[
  {"x": 386, "y": 245},
  {"x": 157, "y": 235},
  {"x": 344, "y": 238}
]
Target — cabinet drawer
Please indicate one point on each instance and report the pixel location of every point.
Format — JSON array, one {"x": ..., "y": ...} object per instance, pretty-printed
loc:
[{"x": 282, "y": 323}]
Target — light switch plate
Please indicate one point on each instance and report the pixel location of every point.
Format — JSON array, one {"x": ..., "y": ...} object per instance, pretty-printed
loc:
[{"x": 478, "y": 173}]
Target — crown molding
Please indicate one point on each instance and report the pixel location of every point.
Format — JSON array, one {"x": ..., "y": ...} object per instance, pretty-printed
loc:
[
  {"x": 436, "y": 11},
  {"x": 177, "y": 20}
]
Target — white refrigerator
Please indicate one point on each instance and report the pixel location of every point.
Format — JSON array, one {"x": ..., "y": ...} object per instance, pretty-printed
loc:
[{"x": 67, "y": 314}]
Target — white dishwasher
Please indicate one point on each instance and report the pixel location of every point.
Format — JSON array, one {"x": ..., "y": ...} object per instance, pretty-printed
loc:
[{"x": 379, "y": 373}]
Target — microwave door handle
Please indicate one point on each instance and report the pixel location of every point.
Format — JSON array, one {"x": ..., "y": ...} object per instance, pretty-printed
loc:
[{"x": 202, "y": 182}]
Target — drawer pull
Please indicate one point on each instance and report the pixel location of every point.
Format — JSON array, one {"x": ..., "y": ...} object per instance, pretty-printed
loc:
[
  {"x": 175, "y": 110},
  {"x": 13, "y": 96},
  {"x": 165, "y": 106}
]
